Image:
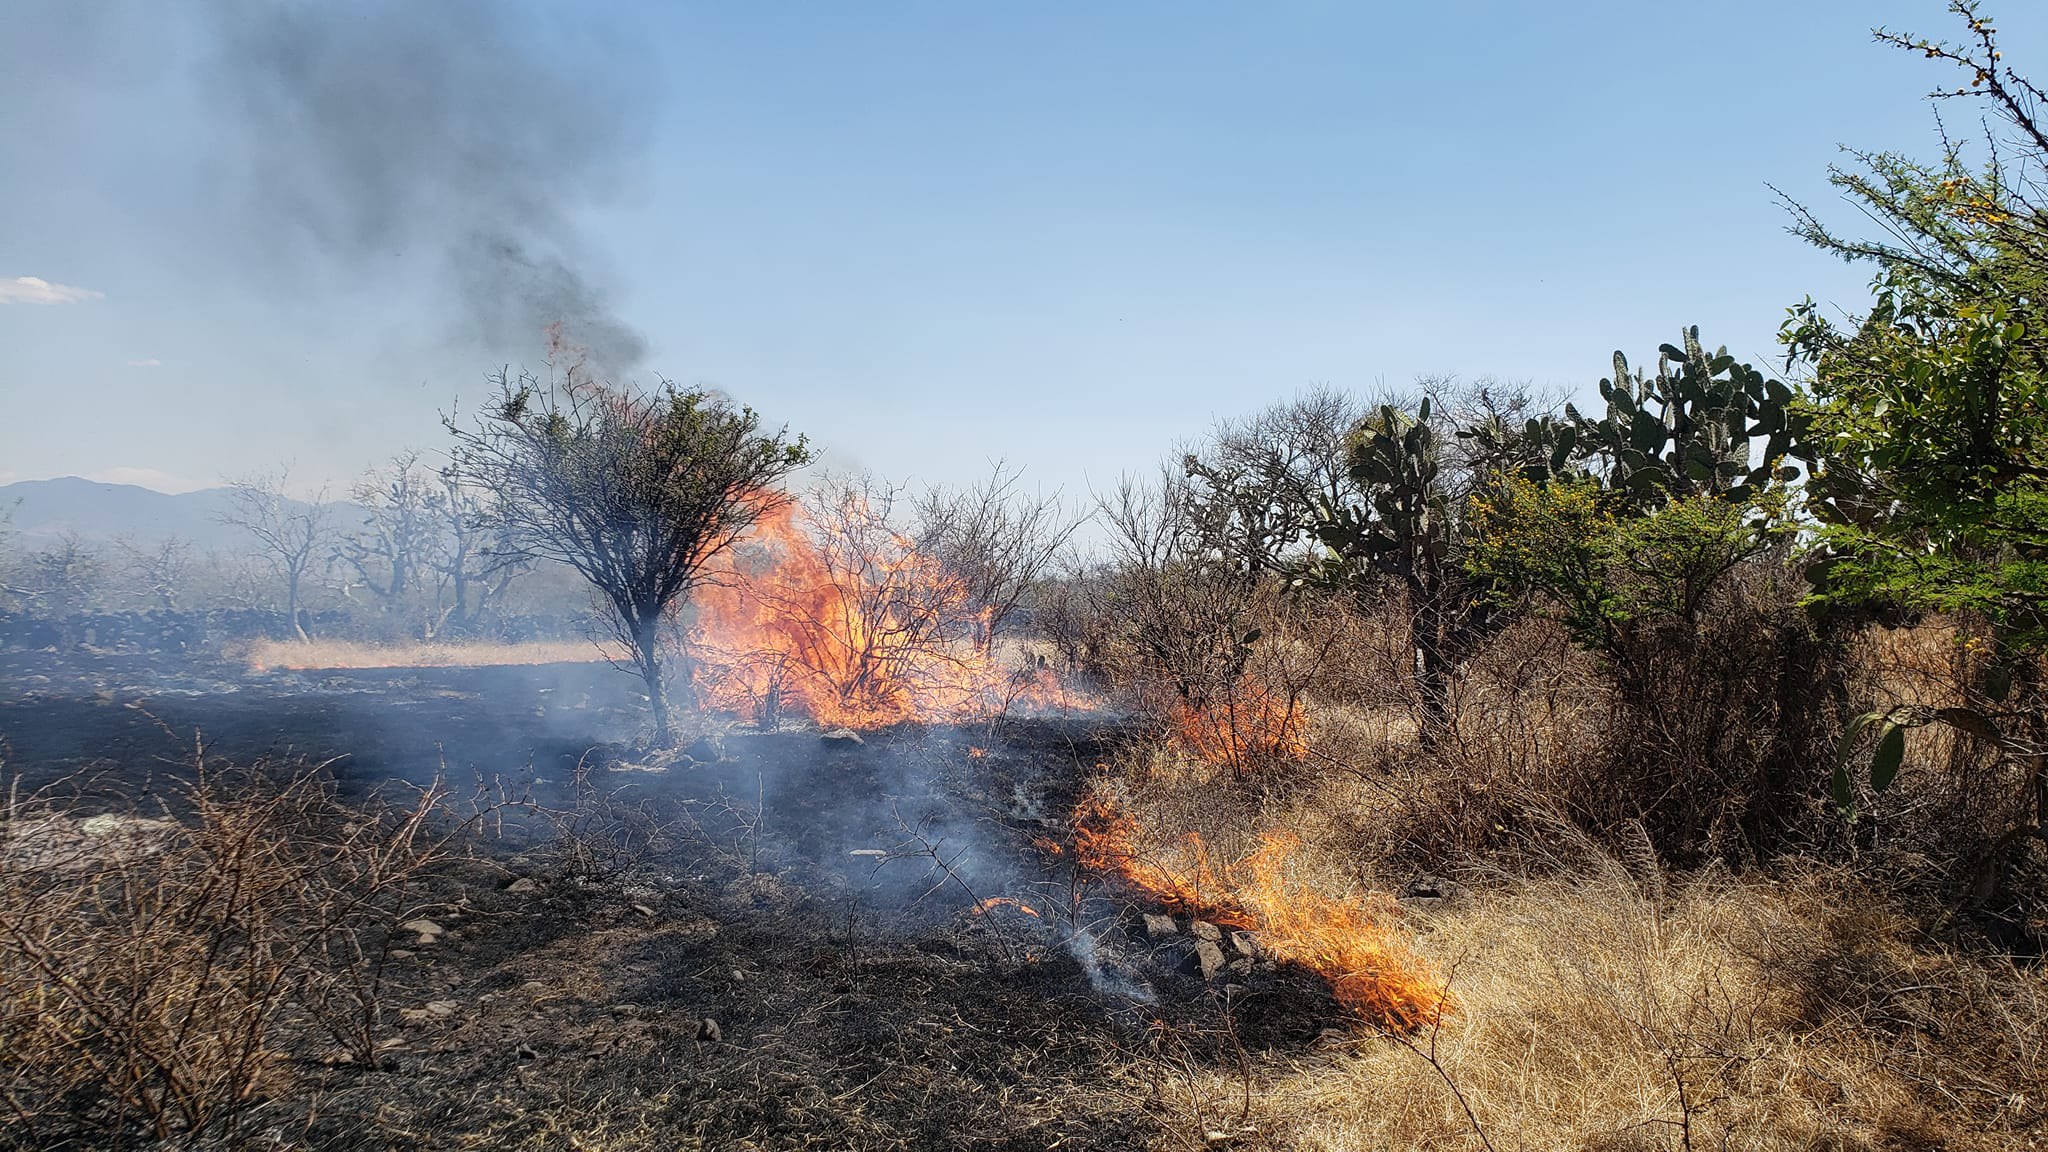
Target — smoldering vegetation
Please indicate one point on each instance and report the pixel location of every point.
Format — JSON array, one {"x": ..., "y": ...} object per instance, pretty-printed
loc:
[
  {"x": 1449, "y": 768},
  {"x": 1249, "y": 867}
]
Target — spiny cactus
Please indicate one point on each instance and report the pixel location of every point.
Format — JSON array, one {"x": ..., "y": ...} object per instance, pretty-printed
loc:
[
  {"x": 1403, "y": 528},
  {"x": 1539, "y": 449},
  {"x": 1685, "y": 431}
]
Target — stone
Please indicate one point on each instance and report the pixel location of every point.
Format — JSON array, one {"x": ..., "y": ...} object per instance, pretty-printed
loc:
[
  {"x": 430, "y": 1011},
  {"x": 1245, "y": 944},
  {"x": 403, "y": 953},
  {"x": 1430, "y": 889},
  {"x": 708, "y": 1030},
  {"x": 644, "y": 910},
  {"x": 523, "y": 884},
  {"x": 1159, "y": 927},
  {"x": 524, "y": 1053},
  {"x": 425, "y": 929},
  {"x": 1203, "y": 930},
  {"x": 841, "y": 738},
  {"x": 1209, "y": 958},
  {"x": 709, "y": 748}
]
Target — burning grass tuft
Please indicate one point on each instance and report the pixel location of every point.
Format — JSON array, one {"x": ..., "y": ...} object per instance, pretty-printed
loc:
[
  {"x": 1248, "y": 729},
  {"x": 1350, "y": 942}
]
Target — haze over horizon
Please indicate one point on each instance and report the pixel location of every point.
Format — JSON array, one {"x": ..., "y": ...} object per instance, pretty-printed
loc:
[{"x": 928, "y": 236}]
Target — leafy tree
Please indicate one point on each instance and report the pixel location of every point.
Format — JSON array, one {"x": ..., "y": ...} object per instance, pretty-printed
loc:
[
  {"x": 1399, "y": 529},
  {"x": 1399, "y": 519},
  {"x": 1689, "y": 430},
  {"x": 634, "y": 489},
  {"x": 1658, "y": 534},
  {"x": 1929, "y": 417},
  {"x": 1607, "y": 567}
]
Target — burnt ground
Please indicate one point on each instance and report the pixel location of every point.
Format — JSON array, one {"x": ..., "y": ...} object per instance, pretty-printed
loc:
[{"x": 813, "y": 901}]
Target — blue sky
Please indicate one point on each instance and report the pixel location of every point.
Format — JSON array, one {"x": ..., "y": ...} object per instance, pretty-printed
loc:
[{"x": 929, "y": 235}]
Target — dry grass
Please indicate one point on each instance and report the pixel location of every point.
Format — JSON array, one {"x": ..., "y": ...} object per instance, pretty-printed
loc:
[
  {"x": 147, "y": 962},
  {"x": 1609, "y": 1006},
  {"x": 1600, "y": 1012},
  {"x": 1604, "y": 1002},
  {"x": 270, "y": 655}
]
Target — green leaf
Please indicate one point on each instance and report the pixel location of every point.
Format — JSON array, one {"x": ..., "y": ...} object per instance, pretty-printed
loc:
[
  {"x": 1845, "y": 793},
  {"x": 1972, "y": 721},
  {"x": 1847, "y": 746},
  {"x": 1891, "y": 752}
]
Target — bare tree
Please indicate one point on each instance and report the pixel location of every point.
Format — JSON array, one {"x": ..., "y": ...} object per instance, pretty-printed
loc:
[
  {"x": 389, "y": 551},
  {"x": 634, "y": 489},
  {"x": 1253, "y": 488},
  {"x": 1185, "y": 611},
  {"x": 61, "y": 581},
  {"x": 11, "y": 585},
  {"x": 996, "y": 540},
  {"x": 291, "y": 535},
  {"x": 159, "y": 571},
  {"x": 428, "y": 549},
  {"x": 475, "y": 560}
]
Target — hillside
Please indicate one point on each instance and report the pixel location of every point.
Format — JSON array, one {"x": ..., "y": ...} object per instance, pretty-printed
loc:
[{"x": 43, "y": 510}]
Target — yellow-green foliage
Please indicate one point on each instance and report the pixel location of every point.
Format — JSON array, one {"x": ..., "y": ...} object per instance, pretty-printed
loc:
[{"x": 1569, "y": 545}]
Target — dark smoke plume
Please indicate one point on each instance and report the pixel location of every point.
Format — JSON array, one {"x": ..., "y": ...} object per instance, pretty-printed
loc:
[{"x": 375, "y": 133}]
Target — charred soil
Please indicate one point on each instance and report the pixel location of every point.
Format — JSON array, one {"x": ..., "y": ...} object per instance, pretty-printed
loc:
[{"x": 774, "y": 940}]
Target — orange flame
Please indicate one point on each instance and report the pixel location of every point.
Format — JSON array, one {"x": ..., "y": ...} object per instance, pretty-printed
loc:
[
  {"x": 1244, "y": 731},
  {"x": 1370, "y": 969},
  {"x": 983, "y": 907},
  {"x": 835, "y": 616}
]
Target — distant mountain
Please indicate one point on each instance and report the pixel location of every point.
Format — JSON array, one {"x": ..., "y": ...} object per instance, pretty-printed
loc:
[{"x": 43, "y": 510}]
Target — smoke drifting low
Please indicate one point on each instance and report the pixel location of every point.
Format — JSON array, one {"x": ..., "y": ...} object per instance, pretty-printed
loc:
[{"x": 453, "y": 137}]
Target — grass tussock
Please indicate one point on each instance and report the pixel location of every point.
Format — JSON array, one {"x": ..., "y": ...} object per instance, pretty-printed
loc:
[
  {"x": 1836, "y": 994},
  {"x": 1601, "y": 1011}
]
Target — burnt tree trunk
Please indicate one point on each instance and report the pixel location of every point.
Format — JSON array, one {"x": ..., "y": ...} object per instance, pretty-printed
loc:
[{"x": 646, "y": 636}]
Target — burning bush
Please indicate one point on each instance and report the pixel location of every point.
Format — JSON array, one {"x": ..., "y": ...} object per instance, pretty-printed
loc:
[
  {"x": 1247, "y": 729},
  {"x": 834, "y": 612}
]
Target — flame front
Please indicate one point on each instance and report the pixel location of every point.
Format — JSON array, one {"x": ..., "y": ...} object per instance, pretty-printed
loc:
[
  {"x": 1245, "y": 730},
  {"x": 831, "y": 614},
  {"x": 1370, "y": 968}
]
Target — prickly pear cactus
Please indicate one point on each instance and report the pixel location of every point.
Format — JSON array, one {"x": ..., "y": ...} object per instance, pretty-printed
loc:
[
  {"x": 1686, "y": 431},
  {"x": 1403, "y": 528}
]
